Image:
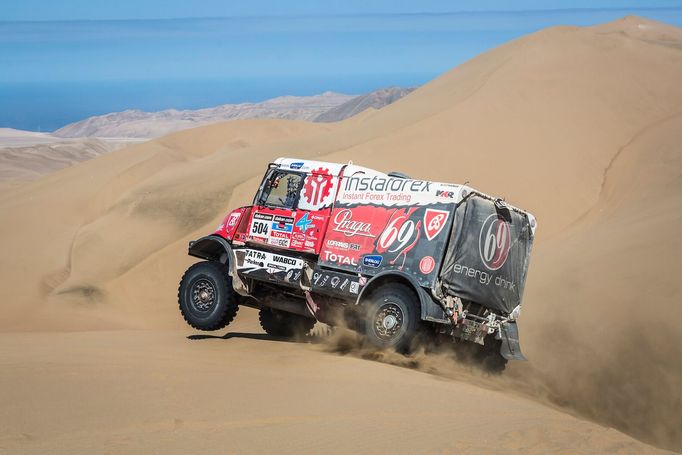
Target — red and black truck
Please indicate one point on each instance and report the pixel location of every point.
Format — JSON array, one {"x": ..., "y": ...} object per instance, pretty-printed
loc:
[{"x": 384, "y": 253}]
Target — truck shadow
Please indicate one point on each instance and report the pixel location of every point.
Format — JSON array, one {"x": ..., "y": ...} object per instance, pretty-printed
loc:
[{"x": 248, "y": 336}]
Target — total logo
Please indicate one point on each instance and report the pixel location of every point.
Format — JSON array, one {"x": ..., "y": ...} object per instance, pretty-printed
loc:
[
  {"x": 339, "y": 259},
  {"x": 494, "y": 242}
]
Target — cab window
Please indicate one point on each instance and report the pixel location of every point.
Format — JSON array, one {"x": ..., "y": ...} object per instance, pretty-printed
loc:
[{"x": 281, "y": 189}]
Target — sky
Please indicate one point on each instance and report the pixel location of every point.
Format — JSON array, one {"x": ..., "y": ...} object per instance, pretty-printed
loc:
[{"x": 63, "y": 61}]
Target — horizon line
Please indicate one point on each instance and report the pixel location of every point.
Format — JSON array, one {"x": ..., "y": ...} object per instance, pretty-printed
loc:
[{"x": 357, "y": 15}]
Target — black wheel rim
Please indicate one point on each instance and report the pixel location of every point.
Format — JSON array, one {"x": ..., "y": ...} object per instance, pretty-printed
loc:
[
  {"x": 388, "y": 321},
  {"x": 203, "y": 294}
]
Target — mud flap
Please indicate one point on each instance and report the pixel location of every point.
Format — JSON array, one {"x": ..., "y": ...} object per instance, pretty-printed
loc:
[{"x": 510, "y": 349}]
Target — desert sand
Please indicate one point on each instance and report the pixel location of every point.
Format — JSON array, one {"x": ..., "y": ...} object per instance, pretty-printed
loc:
[
  {"x": 28, "y": 155},
  {"x": 580, "y": 126}
]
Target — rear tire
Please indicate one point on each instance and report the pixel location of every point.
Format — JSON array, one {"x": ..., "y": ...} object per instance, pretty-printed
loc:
[
  {"x": 392, "y": 317},
  {"x": 206, "y": 297},
  {"x": 489, "y": 356},
  {"x": 281, "y": 324}
]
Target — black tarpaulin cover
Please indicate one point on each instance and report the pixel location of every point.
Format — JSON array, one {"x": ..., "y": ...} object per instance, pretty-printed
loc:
[{"x": 487, "y": 257}]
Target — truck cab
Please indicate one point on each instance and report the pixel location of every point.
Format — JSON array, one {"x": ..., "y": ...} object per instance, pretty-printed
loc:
[{"x": 290, "y": 210}]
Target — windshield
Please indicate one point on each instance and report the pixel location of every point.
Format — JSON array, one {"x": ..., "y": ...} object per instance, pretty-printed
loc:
[{"x": 281, "y": 189}]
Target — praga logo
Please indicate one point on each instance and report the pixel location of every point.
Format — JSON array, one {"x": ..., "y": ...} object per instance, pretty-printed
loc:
[
  {"x": 317, "y": 186},
  {"x": 344, "y": 223},
  {"x": 494, "y": 242},
  {"x": 434, "y": 222}
]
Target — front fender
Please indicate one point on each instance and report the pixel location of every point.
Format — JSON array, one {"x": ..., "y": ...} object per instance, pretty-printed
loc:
[
  {"x": 216, "y": 248},
  {"x": 212, "y": 248}
]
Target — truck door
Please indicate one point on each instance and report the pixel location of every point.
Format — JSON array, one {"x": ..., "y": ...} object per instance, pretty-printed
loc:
[
  {"x": 292, "y": 209},
  {"x": 314, "y": 208}
]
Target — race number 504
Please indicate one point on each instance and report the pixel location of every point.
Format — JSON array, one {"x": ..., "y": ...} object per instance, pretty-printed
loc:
[{"x": 260, "y": 228}]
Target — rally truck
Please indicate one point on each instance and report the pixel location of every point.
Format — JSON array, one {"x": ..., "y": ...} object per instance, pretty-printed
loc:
[{"x": 384, "y": 254}]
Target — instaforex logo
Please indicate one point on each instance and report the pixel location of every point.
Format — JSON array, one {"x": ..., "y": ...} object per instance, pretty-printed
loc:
[
  {"x": 380, "y": 184},
  {"x": 494, "y": 242}
]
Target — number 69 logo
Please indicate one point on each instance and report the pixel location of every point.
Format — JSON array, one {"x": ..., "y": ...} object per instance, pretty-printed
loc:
[
  {"x": 401, "y": 230},
  {"x": 494, "y": 242}
]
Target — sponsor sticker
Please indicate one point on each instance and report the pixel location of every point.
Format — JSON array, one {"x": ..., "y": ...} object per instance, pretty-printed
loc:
[
  {"x": 284, "y": 243},
  {"x": 317, "y": 187},
  {"x": 434, "y": 222},
  {"x": 260, "y": 225},
  {"x": 345, "y": 224},
  {"x": 282, "y": 223},
  {"x": 339, "y": 258},
  {"x": 426, "y": 265},
  {"x": 297, "y": 165},
  {"x": 339, "y": 282},
  {"x": 448, "y": 194},
  {"x": 494, "y": 242},
  {"x": 373, "y": 261},
  {"x": 341, "y": 245},
  {"x": 234, "y": 217},
  {"x": 305, "y": 223},
  {"x": 266, "y": 260}
]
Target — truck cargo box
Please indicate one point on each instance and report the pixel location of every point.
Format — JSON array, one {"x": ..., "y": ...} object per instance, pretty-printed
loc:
[{"x": 488, "y": 253}]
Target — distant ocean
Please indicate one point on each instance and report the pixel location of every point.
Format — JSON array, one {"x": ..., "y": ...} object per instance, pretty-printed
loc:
[{"x": 47, "y": 106}]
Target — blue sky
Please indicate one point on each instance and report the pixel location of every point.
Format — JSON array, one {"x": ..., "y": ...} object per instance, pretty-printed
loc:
[
  {"x": 65, "y": 60},
  {"x": 30, "y": 10}
]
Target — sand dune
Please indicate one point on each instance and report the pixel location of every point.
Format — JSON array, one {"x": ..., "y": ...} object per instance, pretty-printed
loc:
[
  {"x": 581, "y": 126},
  {"x": 27, "y": 155}
]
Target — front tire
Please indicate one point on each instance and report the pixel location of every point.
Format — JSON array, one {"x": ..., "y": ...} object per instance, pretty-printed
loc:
[
  {"x": 392, "y": 317},
  {"x": 206, "y": 297},
  {"x": 281, "y": 324}
]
